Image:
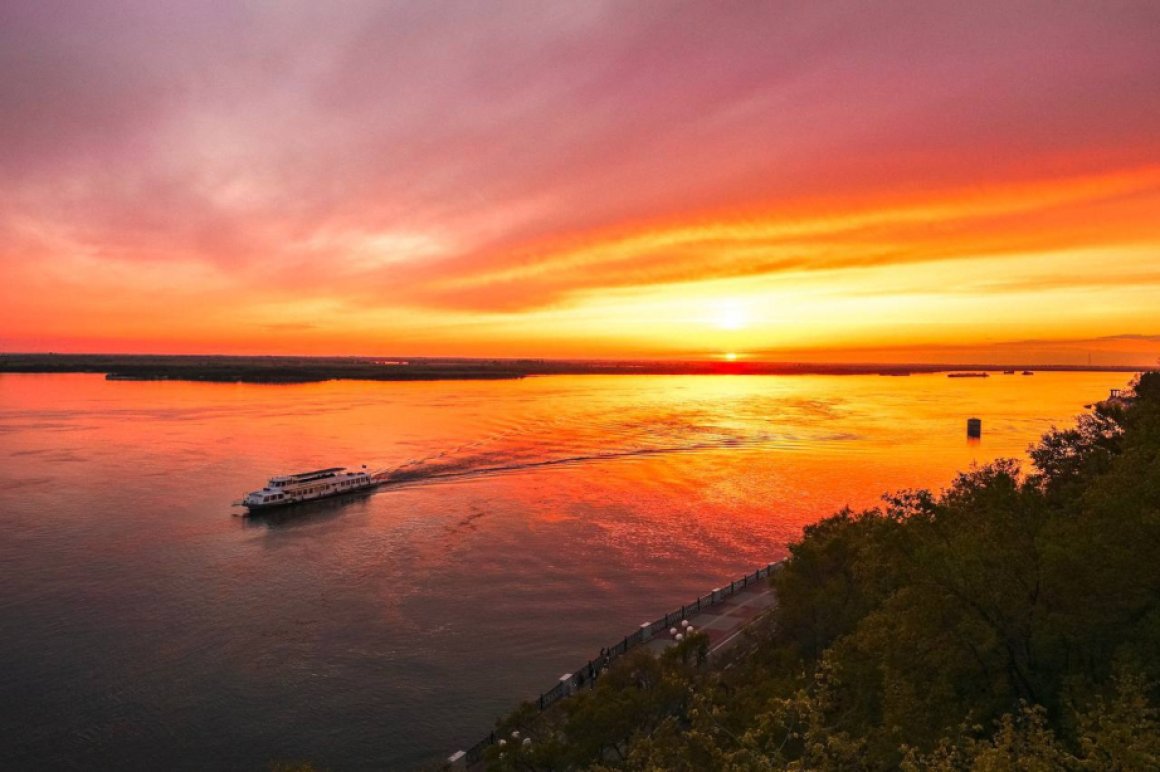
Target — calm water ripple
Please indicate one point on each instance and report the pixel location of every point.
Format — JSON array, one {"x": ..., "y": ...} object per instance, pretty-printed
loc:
[{"x": 527, "y": 524}]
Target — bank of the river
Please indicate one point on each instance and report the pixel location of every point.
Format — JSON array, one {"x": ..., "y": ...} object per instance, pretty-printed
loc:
[{"x": 720, "y": 616}]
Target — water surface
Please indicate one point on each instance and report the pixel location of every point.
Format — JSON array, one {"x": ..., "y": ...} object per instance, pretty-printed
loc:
[{"x": 528, "y": 524}]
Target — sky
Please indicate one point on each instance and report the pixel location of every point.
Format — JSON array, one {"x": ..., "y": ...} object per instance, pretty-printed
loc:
[{"x": 808, "y": 181}]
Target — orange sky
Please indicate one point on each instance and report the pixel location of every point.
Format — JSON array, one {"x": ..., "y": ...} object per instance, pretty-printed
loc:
[{"x": 838, "y": 181}]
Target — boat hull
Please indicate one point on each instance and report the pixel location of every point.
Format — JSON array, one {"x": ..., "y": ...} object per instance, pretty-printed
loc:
[{"x": 254, "y": 508}]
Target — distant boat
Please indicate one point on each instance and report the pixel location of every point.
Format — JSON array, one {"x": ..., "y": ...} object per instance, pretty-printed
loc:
[
  {"x": 1028, "y": 372},
  {"x": 968, "y": 375},
  {"x": 1008, "y": 372}
]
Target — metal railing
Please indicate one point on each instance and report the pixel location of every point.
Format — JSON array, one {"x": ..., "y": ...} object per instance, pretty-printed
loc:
[{"x": 585, "y": 677}]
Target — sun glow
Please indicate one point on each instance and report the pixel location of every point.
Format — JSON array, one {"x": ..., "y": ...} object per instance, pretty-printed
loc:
[{"x": 731, "y": 315}]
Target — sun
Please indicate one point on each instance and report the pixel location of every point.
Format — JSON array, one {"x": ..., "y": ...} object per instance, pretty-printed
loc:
[{"x": 731, "y": 356}]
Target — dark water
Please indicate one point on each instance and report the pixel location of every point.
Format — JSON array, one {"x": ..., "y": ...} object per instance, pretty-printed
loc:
[{"x": 144, "y": 625}]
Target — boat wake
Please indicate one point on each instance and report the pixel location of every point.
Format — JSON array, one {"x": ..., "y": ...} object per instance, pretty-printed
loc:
[
  {"x": 437, "y": 468},
  {"x": 479, "y": 465}
]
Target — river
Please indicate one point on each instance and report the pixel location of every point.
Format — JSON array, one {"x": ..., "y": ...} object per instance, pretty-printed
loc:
[{"x": 144, "y": 624}]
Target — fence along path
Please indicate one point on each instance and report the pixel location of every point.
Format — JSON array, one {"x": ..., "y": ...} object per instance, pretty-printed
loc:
[{"x": 587, "y": 674}]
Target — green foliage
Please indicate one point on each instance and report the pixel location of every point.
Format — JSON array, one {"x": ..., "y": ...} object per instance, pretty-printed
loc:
[
  {"x": 1012, "y": 622},
  {"x": 828, "y": 587}
]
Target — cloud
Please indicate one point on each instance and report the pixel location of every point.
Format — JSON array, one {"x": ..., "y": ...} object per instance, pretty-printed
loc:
[
  {"x": 508, "y": 157},
  {"x": 290, "y": 327},
  {"x": 1006, "y": 219}
]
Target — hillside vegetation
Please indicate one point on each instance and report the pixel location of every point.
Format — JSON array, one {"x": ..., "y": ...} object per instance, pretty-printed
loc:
[{"x": 1010, "y": 622}]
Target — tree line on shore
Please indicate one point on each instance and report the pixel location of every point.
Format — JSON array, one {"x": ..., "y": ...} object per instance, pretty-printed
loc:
[{"x": 1011, "y": 621}]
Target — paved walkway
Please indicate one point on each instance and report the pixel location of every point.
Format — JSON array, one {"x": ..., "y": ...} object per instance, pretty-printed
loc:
[{"x": 725, "y": 621}]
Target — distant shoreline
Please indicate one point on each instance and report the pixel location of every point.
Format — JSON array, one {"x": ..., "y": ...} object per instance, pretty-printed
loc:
[{"x": 285, "y": 369}]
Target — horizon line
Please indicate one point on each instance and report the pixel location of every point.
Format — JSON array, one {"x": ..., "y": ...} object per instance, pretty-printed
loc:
[{"x": 741, "y": 362}]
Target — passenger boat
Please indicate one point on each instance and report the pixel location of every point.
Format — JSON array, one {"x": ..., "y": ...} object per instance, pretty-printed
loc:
[{"x": 288, "y": 489}]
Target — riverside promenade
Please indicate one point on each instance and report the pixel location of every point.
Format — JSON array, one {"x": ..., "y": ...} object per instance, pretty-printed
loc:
[
  {"x": 722, "y": 614},
  {"x": 724, "y": 622}
]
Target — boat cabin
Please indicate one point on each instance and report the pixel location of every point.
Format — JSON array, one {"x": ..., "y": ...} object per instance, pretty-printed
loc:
[{"x": 306, "y": 486}]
